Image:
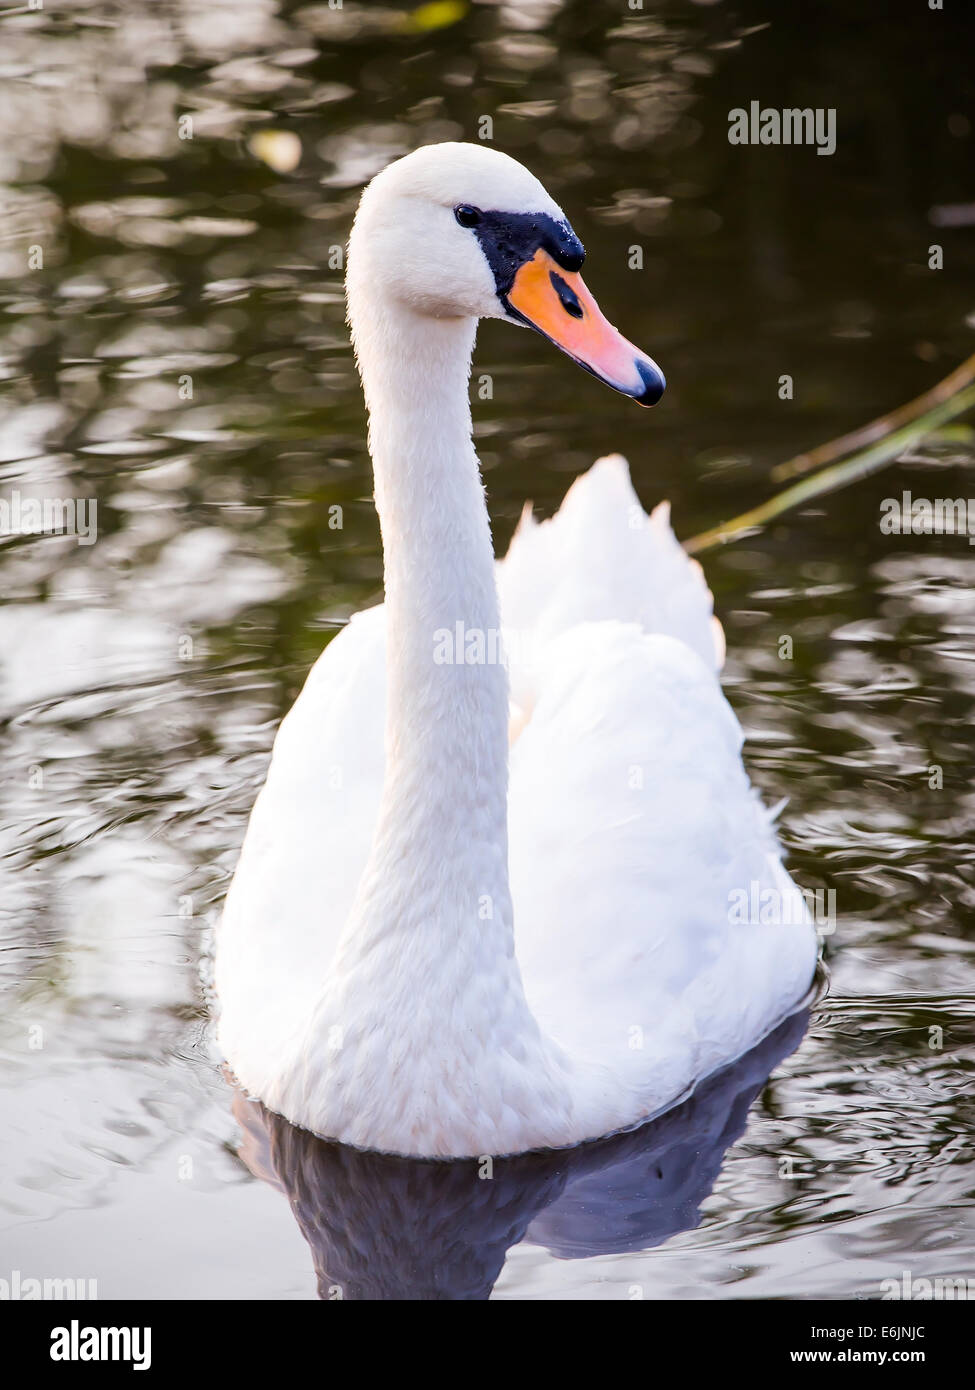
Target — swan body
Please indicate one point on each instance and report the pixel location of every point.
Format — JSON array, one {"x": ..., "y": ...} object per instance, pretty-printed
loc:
[{"x": 485, "y": 906}]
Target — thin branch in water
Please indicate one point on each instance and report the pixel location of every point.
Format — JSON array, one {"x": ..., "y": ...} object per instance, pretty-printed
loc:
[
  {"x": 866, "y": 461},
  {"x": 878, "y": 429}
]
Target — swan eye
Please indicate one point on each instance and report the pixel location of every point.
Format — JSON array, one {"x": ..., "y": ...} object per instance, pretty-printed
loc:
[{"x": 466, "y": 215}]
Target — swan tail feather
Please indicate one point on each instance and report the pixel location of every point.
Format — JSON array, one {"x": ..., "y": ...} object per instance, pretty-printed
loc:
[{"x": 600, "y": 557}]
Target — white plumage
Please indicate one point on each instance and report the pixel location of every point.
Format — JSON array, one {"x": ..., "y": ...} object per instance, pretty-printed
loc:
[{"x": 433, "y": 947}]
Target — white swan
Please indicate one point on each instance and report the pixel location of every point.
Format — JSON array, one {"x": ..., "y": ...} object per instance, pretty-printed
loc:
[{"x": 399, "y": 852}]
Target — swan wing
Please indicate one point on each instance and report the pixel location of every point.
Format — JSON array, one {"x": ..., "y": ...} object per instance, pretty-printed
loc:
[
  {"x": 306, "y": 846},
  {"x": 638, "y": 850},
  {"x": 600, "y": 557}
]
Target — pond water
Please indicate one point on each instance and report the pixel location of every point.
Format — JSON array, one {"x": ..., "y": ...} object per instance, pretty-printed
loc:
[{"x": 189, "y": 174}]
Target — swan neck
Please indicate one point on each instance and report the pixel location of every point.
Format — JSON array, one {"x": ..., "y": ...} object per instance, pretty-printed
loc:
[{"x": 445, "y": 790}]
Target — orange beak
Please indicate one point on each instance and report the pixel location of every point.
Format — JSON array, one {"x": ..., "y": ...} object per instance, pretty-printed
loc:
[{"x": 556, "y": 303}]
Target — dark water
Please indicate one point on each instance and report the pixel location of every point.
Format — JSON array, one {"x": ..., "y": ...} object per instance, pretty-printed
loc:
[{"x": 181, "y": 357}]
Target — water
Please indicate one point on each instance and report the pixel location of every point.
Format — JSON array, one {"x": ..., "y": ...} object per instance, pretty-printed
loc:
[{"x": 143, "y": 676}]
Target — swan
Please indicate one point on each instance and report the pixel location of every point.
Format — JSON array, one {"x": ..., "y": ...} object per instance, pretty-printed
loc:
[{"x": 488, "y": 905}]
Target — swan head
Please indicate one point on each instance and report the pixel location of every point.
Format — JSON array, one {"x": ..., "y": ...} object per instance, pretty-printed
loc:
[{"x": 464, "y": 231}]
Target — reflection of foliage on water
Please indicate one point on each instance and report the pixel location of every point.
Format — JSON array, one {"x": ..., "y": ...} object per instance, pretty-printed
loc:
[{"x": 170, "y": 258}]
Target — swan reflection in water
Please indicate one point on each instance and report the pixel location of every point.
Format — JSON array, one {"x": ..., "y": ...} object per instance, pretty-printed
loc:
[{"x": 383, "y": 1227}]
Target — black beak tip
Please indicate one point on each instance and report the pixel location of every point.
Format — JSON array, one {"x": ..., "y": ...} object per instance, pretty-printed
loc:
[{"x": 654, "y": 383}]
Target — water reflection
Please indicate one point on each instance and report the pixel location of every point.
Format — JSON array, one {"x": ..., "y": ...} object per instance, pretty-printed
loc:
[{"x": 381, "y": 1227}]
